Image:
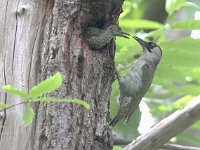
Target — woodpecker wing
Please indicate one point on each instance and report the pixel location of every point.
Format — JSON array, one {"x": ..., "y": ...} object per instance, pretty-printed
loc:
[
  {"x": 147, "y": 77},
  {"x": 132, "y": 81},
  {"x": 134, "y": 85}
]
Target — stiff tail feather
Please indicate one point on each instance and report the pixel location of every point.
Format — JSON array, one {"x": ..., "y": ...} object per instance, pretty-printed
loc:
[
  {"x": 127, "y": 119},
  {"x": 115, "y": 120}
]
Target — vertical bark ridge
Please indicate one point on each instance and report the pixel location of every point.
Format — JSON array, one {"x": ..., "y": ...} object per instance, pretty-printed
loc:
[{"x": 87, "y": 75}]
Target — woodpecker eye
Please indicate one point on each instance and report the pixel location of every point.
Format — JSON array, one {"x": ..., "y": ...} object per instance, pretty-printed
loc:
[{"x": 151, "y": 45}]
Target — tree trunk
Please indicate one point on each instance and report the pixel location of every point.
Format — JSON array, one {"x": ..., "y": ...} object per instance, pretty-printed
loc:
[
  {"x": 39, "y": 38},
  {"x": 20, "y": 40}
]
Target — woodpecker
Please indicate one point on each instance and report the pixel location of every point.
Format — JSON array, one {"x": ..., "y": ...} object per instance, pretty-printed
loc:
[
  {"x": 137, "y": 80},
  {"x": 97, "y": 38}
]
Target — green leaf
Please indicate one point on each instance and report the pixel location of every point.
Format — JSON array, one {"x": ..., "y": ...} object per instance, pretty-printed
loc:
[
  {"x": 117, "y": 148},
  {"x": 184, "y": 44},
  {"x": 28, "y": 115},
  {"x": 2, "y": 105},
  {"x": 52, "y": 99},
  {"x": 182, "y": 102},
  {"x": 187, "y": 25},
  {"x": 192, "y": 5},
  {"x": 12, "y": 90},
  {"x": 180, "y": 61},
  {"x": 140, "y": 24},
  {"x": 174, "y": 5},
  {"x": 46, "y": 86}
]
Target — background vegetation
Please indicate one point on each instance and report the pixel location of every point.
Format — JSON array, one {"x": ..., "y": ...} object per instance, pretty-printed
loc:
[{"x": 177, "y": 78}]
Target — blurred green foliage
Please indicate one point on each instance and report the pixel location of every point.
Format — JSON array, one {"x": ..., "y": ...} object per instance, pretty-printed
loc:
[{"x": 177, "y": 79}]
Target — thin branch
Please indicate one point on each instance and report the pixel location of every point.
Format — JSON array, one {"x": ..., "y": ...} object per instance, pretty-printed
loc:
[
  {"x": 178, "y": 147},
  {"x": 11, "y": 106},
  {"x": 122, "y": 141},
  {"x": 168, "y": 127}
]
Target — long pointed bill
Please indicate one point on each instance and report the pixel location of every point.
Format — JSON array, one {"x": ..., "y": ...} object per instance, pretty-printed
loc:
[
  {"x": 143, "y": 43},
  {"x": 123, "y": 34}
]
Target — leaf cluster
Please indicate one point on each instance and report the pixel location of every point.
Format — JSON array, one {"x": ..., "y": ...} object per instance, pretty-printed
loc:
[{"x": 35, "y": 95}]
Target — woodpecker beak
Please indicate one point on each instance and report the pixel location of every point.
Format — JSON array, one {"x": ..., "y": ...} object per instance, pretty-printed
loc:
[
  {"x": 123, "y": 34},
  {"x": 143, "y": 43}
]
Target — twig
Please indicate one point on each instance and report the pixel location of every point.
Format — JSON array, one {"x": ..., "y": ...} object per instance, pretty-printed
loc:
[
  {"x": 11, "y": 106},
  {"x": 168, "y": 127},
  {"x": 178, "y": 147},
  {"x": 122, "y": 141}
]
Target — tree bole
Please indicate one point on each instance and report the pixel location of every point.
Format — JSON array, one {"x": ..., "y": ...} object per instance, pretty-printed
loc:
[{"x": 87, "y": 75}]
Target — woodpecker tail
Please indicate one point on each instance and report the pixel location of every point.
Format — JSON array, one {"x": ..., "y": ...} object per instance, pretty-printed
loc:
[
  {"x": 127, "y": 118},
  {"x": 115, "y": 120},
  {"x": 128, "y": 115}
]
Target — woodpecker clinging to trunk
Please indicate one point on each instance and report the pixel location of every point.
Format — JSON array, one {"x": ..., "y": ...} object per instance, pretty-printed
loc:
[
  {"x": 137, "y": 80},
  {"x": 97, "y": 38}
]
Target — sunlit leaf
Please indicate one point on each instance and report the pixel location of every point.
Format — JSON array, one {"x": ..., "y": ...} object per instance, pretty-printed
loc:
[
  {"x": 76, "y": 101},
  {"x": 46, "y": 86},
  {"x": 28, "y": 115},
  {"x": 164, "y": 108},
  {"x": 117, "y": 148},
  {"x": 12, "y": 90},
  {"x": 182, "y": 102}
]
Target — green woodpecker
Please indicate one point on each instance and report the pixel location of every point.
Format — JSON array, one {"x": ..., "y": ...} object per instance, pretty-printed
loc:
[
  {"x": 97, "y": 38},
  {"x": 137, "y": 80}
]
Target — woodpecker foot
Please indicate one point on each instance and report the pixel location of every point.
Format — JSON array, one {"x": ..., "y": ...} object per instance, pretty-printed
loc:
[{"x": 116, "y": 76}]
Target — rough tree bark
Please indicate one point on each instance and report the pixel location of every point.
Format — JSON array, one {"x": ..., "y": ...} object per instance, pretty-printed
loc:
[{"x": 39, "y": 38}]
